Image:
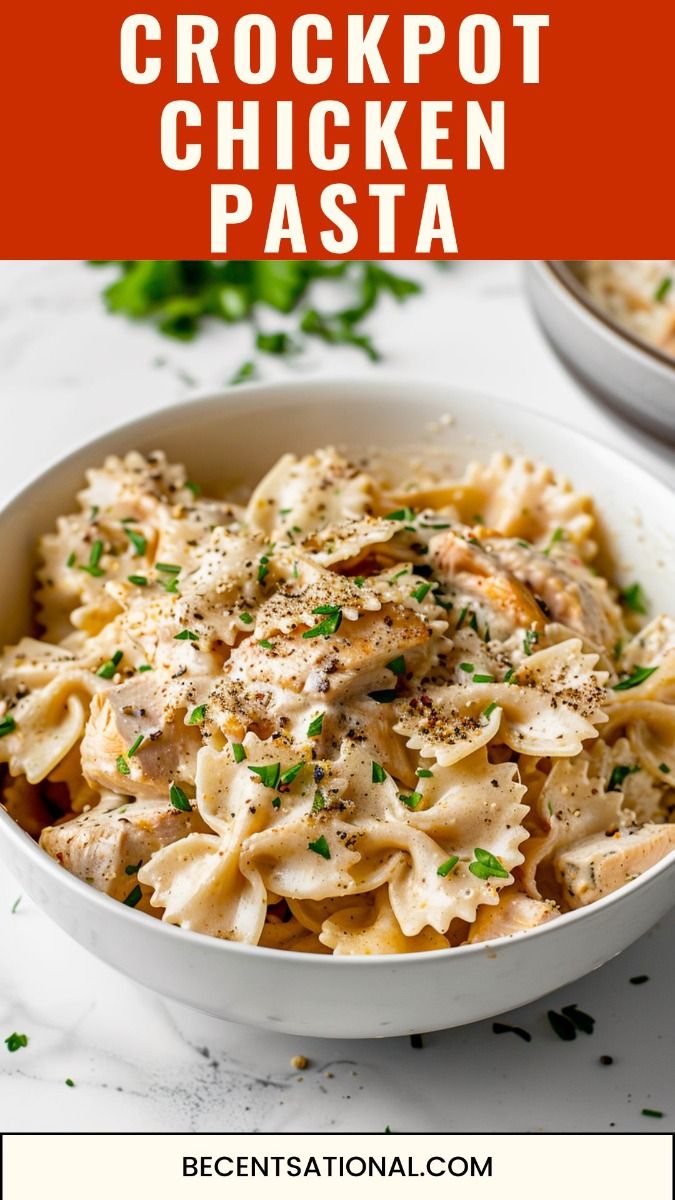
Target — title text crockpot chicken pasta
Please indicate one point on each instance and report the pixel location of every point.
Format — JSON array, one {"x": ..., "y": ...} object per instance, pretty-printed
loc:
[{"x": 376, "y": 710}]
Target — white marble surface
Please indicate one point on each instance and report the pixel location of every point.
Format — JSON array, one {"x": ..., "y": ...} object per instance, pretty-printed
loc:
[{"x": 68, "y": 371}]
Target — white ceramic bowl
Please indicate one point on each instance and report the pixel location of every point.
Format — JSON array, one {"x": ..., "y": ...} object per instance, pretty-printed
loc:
[
  {"x": 236, "y": 437},
  {"x": 625, "y": 370}
]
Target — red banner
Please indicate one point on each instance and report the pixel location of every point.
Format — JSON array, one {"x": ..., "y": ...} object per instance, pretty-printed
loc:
[{"x": 287, "y": 129}]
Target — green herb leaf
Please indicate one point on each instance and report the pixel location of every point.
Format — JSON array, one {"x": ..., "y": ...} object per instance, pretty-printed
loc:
[
  {"x": 663, "y": 289},
  {"x": 92, "y": 567},
  {"x": 401, "y": 514},
  {"x": 638, "y": 676},
  {"x": 531, "y": 639},
  {"x": 448, "y": 866},
  {"x": 15, "y": 905},
  {"x": 178, "y": 798},
  {"x": 664, "y": 768},
  {"x": 562, "y": 1026},
  {"x": 651, "y": 1112},
  {"x": 138, "y": 580},
  {"x": 136, "y": 746},
  {"x": 328, "y": 626},
  {"x": 320, "y": 846},
  {"x": 424, "y": 773},
  {"x": 193, "y": 487},
  {"x": 634, "y": 598},
  {"x": 137, "y": 540},
  {"x": 397, "y": 665},
  {"x": 486, "y": 865},
  {"x": 133, "y": 868},
  {"x": 168, "y": 568},
  {"x": 359, "y": 580},
  {"x": 16, "y": 1041},
  {"x": 244, "y": 374},
  {"x": 421, "y": 591},
  {"x": 238, "y": 752},
  {"x": 122, "y": 765},
  {"x": 467, "y": 667},
  {"x": 378, "y": 773},
  {"x": 186, "y": 635},
  {"x": 319, "y": 801},
  {"x": 146, "y": 667},
  {"x": 108, "y": 669},
  {"x": 197, "y": 715},
  {"x": 7, "y": 725},
  {"x": 556, "y": 536},
  {"x": 269, "y": 774},
  {"x": 487, "y": 712},
  {"x": 617, "y": 777},
  {"x": 412, "y": 801},
  {"x": 315, "y": 726},
  {"x": 483, "y": 679},
  {"x": 385, "y": 696},
  {"x": 71, "y": 559},
  {"x": 292, "y": 773},
  {"x": 246, "y": 618},
  {"x": 134, "y": 896}
]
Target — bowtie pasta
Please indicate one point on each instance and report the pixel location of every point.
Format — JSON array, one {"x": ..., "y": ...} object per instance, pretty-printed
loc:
[{"x": 378, "y": 709}]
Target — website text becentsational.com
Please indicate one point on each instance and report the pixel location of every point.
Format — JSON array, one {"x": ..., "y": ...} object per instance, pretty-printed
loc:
[{"x": 335, "y": 1166}]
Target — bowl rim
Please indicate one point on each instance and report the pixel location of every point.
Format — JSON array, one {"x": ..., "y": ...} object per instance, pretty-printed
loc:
[
  {"x": 272, "y": 395},
  {"x": 562, "y": 274}
]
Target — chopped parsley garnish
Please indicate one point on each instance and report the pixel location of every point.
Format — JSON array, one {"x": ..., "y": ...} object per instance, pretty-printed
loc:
[
  {"x": 263, "y": 569},
  {"x": 468, "y": 667},
  {"x": 15, "y": 905},
  {"x": 483, "y": 679},
  {"x": 137, "y": 540},
  {"x": 238, "y": 752},
  {"x": 508, "y": 678},
  {"x": 359, "y": 580},
  {"x": 378, "y": 773},
  {"x": 133, "y": 868},
  {"x": 424, "y": 773},
  {"x": 245, "y": 372},
  {"x": 269, "y": 774},
  {"x": 618, "y": 775},
  {"x": 138, "y": 580},
  {"x": 556, "y": 536},
  {"x": 122, "y": 765},
  {"x": 108, "y": 669},
  {"x": 276, "y": 803},
  {"x": 651, "y": 1112},
  {"x": 639, "y": 675},
  {"x": 581, "y": 1020},
  {"x": 92, "y": 567},
  {"x": 399, "y": 574},
  {"x": 193, "y": 487},
  {"x": 473, "y": 622},
  {"x": 7, "y": 725},
  {"x": 461, "y": 618},
  {"x": 197, "y": 715},
  {"x": 530, "y": 640},
  {"x": 634, "y": 598},
  {"x": 663, "y": 289},
  {"x": 71, "y": 559},
  {"x": 134, "y": 896},
  {"x": 319, "y": 801},
  {"x": 486, "y": 865},
  {"x": 186, "y": 635},
  {"x": 178, "y": 798},
  {"x": 136, "y": 745},
  {"x": 397, "y": 665},
  {"x": 412, "y": 801},
  {"x": 146, "y": 667},
  {"x": 330, "y": 624},
  {"x": 420, "y": 591},
  {"x": 320, "y": 846},
  {"x": 561, "y": 1026},
  {"x": 315, "y": 726},
  {"x": 16, "y": 1041},
  {"x": 487, "y": 712},
  {"x": 400, "y": 514},
  {"x": 664, "y": 768},
  {"x": 385, "y": 696},
  {"x": 448, "y": 866},
  {"x": 266, "y": 645},
  {"x": 168, "y": 568},
  {"x": 246, "y": 618},
  {"x": 500, "y": 1027},
  {"x": 292, "y": 773},
  {"x": 443, "y": 602},
  {"x": 70, "y": 1082}
]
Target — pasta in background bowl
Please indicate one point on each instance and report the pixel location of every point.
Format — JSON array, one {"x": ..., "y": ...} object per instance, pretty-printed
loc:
[{"x": 367, "y": 729}]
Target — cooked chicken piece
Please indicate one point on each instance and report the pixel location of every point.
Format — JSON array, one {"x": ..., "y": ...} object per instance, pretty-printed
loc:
[
  {"x": 564, "y": 586},
  {"x": 169, "y": 747},
  {"x": 478, "y": 575},
  {"x": 515, "y": 913},
  {"x": 327, "y": 666},
  {"x": 600, "y": 864},
  {"x": 102, "y": 845}
]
